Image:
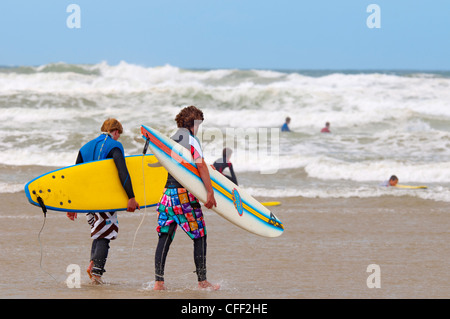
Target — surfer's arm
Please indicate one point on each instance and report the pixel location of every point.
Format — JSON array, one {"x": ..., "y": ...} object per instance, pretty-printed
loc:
[
  {"x": 233, "y": 175},
  {"x": 197, "y": 155},
  {"x": 204, "y": 175},
  {"x": 124, "y": 176}
]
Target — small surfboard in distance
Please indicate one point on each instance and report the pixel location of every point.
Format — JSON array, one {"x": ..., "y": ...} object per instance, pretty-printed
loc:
[
  {"x": 96, "y": 187},
  {"x": 233, "y": 202},
  {"x": 411, "y": 187},
  {"x": 271, "y": 203}
]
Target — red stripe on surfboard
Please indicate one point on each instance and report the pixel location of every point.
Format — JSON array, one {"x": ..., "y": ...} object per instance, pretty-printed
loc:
[{"x": 168, "y": 151}]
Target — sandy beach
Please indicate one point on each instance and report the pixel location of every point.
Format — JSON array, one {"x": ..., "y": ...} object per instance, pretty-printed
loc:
[{"x": 323, "y": 253}]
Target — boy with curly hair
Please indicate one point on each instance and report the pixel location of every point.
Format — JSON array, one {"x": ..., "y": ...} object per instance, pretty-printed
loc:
[{"x": 178, "y": 207}]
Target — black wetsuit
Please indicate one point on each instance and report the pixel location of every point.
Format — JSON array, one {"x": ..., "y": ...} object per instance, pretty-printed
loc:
[
  {"x": 166, "y": 237},
  {"x": 221, "y": 164},
  {"x": 100, "y": 246}
]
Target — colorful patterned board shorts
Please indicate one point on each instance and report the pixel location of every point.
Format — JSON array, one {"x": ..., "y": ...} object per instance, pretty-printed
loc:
[{"x": 179, "y": 206}]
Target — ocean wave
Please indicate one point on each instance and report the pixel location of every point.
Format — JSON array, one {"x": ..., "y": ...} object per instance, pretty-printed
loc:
[
  {"x": 11, "y": 187},
  {"x": 439, "y": 193},
  {"x": 327, "y": 169},
  {"x": 330, "y": 169},
  {"x": 382, "y": 123},
  {"x": 238, "y": 88},
  {"x": 230, "y": 97},
  {"x": 37, "y": 157}
]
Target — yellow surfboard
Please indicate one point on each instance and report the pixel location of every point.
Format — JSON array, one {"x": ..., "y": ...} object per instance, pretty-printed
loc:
[
  {"x": 96, "y": 187},
  {"x": 271, "y": 204},
  {"x": 411, "y": 187}
]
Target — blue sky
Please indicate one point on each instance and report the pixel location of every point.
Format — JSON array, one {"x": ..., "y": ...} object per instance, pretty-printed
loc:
[{"x": 263, "y": 34}]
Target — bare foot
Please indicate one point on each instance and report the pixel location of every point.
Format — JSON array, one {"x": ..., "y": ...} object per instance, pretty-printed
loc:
[
  {"x": 159, "y": 285},
  {"x": 96, "y": 280},
  {"x": 207, "y": 285},
  {"x": 89, "y": 269}
]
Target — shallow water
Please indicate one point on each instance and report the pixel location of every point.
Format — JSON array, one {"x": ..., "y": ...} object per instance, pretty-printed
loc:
[{"x": 323, "y": 253}]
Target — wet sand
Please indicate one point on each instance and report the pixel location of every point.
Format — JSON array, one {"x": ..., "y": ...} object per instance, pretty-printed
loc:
[{"x": 324, "y": 253}]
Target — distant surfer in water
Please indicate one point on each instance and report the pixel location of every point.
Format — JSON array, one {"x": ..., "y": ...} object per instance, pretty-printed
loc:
[
  {"x": 105, "y": 226},
  {"x": 285, "y": 126},
  {"x": 326, "y": 129},
  {"x": 222, "y": 163},
  {"x": 178, "y": 207},
  {"x": 392, "y": 181}
]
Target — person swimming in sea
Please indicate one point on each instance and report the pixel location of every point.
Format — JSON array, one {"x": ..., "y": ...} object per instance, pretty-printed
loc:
[{"x": 392, "y": 181}]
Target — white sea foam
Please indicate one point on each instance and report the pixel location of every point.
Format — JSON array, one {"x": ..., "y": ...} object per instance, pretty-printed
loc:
[
  {"x": 382, "y": 124},
  {"x": 327, "y": 169},
  {"x": 35, "y": 156},
  {"x": 11, "y": 187},
  {"x": 368, "y": 191}
]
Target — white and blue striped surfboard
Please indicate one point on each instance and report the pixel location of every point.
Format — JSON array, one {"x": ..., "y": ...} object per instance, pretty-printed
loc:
[{"x": 233, "y": 203}]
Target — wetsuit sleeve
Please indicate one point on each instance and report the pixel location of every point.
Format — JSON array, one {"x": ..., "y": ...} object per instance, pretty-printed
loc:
[
  {"x": 233, "y": 176},
  {"x": 124, "y": 176},
  {"x": 216, "y": 166}
]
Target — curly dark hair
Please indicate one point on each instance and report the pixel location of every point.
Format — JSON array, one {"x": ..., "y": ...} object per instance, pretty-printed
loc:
[{"x": 188, "y": 116}]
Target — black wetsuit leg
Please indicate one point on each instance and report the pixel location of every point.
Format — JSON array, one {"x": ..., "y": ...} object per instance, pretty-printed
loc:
[
  {"x": 200, "y": 257},
  {"x": 99, "y": 254},
  {"x": 162, "y": 249}
]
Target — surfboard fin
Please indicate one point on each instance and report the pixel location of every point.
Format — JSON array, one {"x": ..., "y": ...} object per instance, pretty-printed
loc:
[
  {"x": 41, "y": 203},
  {"x": 147, "y": 141}
]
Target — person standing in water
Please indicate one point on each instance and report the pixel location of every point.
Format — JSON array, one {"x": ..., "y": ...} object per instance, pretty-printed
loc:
[
  {"x": 285, "y": 126},
  {"x": 178, "y": 207},
  {"x": 222, "y": 163},
  {"x": 326, "y": 129},
  {"x": 105, "y": 225}
]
